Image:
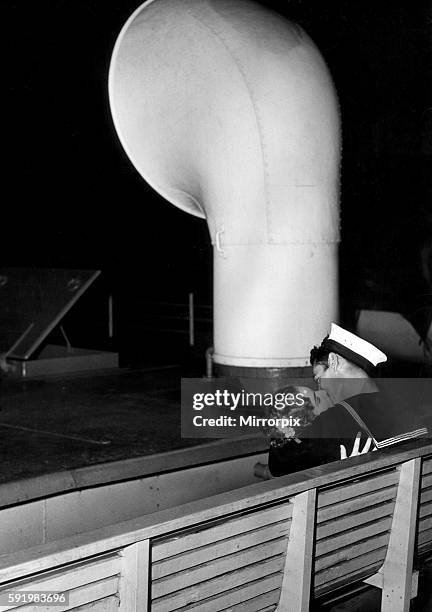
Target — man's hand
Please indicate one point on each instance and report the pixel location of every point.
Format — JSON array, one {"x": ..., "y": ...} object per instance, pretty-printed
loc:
[{"x": 356, "y": 448}]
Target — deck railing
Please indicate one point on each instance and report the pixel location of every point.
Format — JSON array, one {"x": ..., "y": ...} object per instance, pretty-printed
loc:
[{"x": 272, "y": 545}]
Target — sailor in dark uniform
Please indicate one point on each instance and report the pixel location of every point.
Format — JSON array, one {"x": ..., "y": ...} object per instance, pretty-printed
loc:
[{"x": 343, "y": 366}]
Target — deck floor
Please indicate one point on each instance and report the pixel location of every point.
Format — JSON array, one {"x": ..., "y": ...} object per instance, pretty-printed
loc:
[{"x": 58, "y": 423}]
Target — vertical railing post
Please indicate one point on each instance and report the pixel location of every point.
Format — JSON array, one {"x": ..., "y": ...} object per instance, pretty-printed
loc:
[
  {"x": 397, "y": 570},
  {"x": 297, "y": 577},
  {"x": 134, "y": 578}
]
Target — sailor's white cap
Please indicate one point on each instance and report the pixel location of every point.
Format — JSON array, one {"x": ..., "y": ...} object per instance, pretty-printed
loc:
[{"x": 353, "y": 348}]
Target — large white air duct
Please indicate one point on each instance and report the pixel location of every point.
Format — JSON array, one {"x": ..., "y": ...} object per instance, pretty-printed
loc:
[{"x": 228, "y": 111}]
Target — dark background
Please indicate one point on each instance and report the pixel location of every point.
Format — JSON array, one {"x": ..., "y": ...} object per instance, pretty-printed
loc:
[{"x": 73, "y": 200}]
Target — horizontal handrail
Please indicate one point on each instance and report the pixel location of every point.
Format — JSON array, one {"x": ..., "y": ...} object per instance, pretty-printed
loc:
[{"x": 75, "y": 548}]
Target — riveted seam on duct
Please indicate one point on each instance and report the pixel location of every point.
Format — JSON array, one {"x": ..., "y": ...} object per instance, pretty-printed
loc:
[{"x": 254, "y": 104}]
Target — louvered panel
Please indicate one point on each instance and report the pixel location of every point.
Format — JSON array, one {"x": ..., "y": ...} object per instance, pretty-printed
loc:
[
  {"x": 201, "y": 566},
  {"x": 254, "y": 594},
  {"x": 358, "y": 488},
  {"x": 356, "y": 503},
  {"x": 427, "y": 466},
  {"x": 350, "y": 552},
  {"x": 81, "y": 596},
  {"x": 426, "y": 495},
  {"x": 217, "y": 586},
  {"x": 424, "y": 528},
  {"x": 221, "y": 530},
  {"x": 426, "y": 481},
  {"x": 107, "y": 604},
  {"x": 79, "y": 580},
  {"x": 354, "y": 520},
  {"x": 262, "y": 603},
  {"x": 425, "y": 523},
  {"x": 354, "y": 535},
  {"x": 217, "y": 567},
  {"x": 351, "y": 578},
  {"x": 425, "y": 509},
  {"x": 425, "y": 540},
  {"x": 353, "y": 528},
  {"x": 355, "y": 565},
  {"x": 203, "y": 554}
]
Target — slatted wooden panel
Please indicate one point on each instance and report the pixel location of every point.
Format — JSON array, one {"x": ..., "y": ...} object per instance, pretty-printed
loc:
[
  {"x": 222, "y": 565},
  {"x": 85, "y": 583},
  {"x": 352, "y": 529},
  {"x": 107, "y": 604},
  {"x": 257, "y": 604},
  {"x": 424, "y": 541}
]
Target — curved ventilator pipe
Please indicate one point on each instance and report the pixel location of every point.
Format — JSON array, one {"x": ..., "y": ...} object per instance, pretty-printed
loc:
[{"x": 229, "y": 112}]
